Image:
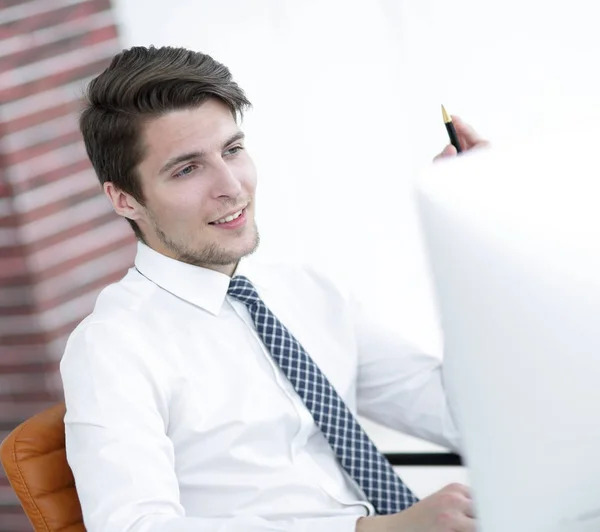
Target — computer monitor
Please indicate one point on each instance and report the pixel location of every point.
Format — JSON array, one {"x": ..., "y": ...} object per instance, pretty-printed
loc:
[{"x": 513, "y": 238}]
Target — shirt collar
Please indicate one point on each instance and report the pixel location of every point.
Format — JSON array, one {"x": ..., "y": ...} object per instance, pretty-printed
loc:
[{"x": 202, "y": 287}]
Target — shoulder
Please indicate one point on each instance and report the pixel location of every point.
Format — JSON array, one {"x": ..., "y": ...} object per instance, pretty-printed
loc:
[
  {"x": 131, "y": 293},
  {"x": 118, "y": 328}
]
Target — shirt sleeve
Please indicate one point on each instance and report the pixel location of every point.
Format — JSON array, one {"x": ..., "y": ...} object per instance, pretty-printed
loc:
[
  {"x": 398, "y": 385},
  {"x": 117, "y": 444}
]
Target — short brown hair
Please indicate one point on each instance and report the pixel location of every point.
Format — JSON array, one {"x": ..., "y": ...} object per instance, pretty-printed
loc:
[{"x": 140, "y": 84}]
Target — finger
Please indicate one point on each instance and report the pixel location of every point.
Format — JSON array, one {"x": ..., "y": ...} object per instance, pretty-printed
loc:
[
  {"x": 464, "y": 504},
  {"x": 465, "y": 524},
  {"x": 457, "y": 487},
  {"x": 467, "y": 135},
  {"x": 448, "y": 151},
  {"x": 469, "y": 509}
]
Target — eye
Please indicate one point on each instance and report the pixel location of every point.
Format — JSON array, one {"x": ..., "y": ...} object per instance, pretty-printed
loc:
[
  {"x": 234, "y": 150},
  {"x": 185, "y": 171}
]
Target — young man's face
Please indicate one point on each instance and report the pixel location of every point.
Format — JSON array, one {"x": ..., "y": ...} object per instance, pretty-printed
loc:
[{"x": 195, "y": 176}]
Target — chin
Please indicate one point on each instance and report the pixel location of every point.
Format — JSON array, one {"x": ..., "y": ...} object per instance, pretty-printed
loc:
[
  {"x": 252, "y": 243},
  {"x": 249, "y": 248},
  {"x": 229, "y": 254}
]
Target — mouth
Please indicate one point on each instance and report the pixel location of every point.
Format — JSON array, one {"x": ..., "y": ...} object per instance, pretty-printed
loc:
[
  {"x": 231, "y": 220},
  {"x": 228, "y": 217}
]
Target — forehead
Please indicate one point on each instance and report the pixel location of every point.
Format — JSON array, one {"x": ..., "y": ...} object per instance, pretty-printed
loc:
[{"x": 201, "y": 128}]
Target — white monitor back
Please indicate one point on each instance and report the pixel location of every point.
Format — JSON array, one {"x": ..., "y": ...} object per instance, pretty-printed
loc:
[{"x": 513, "y": 236}]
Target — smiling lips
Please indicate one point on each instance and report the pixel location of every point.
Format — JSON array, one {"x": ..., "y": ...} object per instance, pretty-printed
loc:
[
  {"x": 228, "y": 218},
  {"x": 231, "y": 221}
]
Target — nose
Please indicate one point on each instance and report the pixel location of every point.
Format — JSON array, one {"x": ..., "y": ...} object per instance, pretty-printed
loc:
[{"x": 226, "y": 182}]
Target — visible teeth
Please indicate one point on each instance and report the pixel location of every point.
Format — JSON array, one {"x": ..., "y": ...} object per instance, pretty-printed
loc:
[{"x": 228, "y": 218}]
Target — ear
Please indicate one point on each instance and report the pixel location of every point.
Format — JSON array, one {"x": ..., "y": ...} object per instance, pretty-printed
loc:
[{"x": 123, "y": 203}]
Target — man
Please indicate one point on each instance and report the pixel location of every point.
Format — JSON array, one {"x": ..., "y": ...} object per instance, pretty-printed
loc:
[{"x": 205, "y": 393}]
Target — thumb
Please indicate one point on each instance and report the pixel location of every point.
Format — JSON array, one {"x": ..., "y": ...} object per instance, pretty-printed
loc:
[{"x": 448, "y": 151}]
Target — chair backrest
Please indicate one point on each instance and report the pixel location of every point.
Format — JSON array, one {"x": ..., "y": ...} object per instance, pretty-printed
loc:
[{"x": 35, "y": 461}]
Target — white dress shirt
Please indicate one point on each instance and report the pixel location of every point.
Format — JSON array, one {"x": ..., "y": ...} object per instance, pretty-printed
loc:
[{"x": 178, "y": 420}]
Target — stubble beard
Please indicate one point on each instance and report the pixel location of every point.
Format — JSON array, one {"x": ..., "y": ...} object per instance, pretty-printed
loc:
[{"x": 212, "y": 254}]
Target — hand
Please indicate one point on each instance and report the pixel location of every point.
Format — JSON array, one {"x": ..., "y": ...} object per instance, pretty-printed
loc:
[
  {"x": 467, "y": 137},
  {"x": 448, "y": 510}
]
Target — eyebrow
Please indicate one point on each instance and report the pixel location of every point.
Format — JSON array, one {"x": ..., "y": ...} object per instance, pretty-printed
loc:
[{"x": 178, "y": 159}]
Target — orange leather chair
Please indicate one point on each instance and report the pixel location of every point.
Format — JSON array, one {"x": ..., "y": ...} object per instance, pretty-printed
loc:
[{"x": 35, "y": 461}]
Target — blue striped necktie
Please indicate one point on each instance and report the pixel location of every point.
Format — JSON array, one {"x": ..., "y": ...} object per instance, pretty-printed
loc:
[{"x": 355, "y": 451}]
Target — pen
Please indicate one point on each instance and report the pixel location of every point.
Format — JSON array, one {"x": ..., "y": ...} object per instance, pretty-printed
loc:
[{"x": 451, "y": 130}]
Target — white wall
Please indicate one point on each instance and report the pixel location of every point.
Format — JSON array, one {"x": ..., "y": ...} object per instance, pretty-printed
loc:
[
  {"x": 347, "y": 98},
  {"x": 328, "y": 130}
]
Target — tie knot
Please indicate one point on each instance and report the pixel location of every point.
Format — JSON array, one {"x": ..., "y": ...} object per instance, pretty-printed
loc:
[{"x": 242, "y": 289}]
